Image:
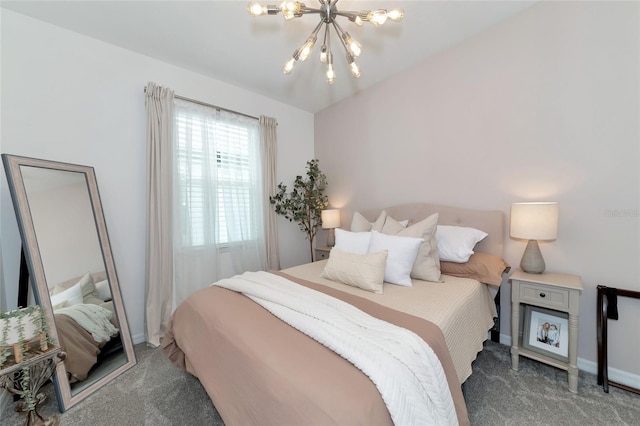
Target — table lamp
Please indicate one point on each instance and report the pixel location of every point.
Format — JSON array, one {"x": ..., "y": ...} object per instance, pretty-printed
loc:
[
  {"x": 533, "y": 222},
  {"x": 330, "y": 221}
]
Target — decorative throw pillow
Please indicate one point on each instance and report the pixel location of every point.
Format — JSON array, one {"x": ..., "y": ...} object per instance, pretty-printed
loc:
[
  {"x": 392, "y": 226},
  {"x": 427, "y": 264},
  {"x": 103, "y": 290},
  {"x": 456, "y": 243},
  {"x": 73, "y": 296},
  {"x": 360, "y": 223},
  {"x": 484, "y": 267},
  {"x": 401, "y": 256},
  {"x": 352, "y": 242},
  {"x": 365, "y": 271}
]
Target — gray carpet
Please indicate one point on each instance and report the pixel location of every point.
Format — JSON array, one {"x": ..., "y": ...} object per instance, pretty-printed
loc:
[{"x": 156, "y": 393}]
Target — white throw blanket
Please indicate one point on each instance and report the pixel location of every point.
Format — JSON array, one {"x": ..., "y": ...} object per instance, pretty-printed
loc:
[
  {"x": 93, "y": 318},
  {"x": 404, "y": 368}
]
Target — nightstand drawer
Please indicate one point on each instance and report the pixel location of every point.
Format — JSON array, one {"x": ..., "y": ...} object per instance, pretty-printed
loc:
[
  {"x": 545, "y": 296},
  {"x": 322, "y": 253}
]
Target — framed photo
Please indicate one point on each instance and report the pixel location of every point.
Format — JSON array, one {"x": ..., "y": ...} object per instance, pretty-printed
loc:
[{"x": 546, "y": 332}]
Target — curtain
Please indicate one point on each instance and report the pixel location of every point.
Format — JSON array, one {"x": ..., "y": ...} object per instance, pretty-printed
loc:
[
  {"x": 159, "y": 268},
  {"x": 218, "y": 211},
  {"x": 269, "y": 147}
]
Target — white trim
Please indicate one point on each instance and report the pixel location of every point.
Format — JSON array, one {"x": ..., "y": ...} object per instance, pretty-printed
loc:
[{"x": 616, "y": 375}]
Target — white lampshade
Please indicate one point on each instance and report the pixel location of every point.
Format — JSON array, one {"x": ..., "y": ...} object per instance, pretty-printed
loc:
[
  {"x": 534, "y": 221},
  {"x": 330, "y": 218}
]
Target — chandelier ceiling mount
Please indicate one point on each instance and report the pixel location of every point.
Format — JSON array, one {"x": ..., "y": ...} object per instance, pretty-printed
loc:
[{"x": 328, "y": 13}]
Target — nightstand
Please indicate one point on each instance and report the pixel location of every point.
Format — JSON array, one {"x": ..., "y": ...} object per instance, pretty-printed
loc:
[
  {"x": 558, "y": 293},
  {"x": 322, "y": 253}
]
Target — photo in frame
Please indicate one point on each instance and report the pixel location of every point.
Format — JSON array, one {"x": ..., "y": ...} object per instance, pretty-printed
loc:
[{"x": 546, "y": 332}]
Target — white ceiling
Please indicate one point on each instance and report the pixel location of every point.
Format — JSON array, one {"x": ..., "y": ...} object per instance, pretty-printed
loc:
[{"x": 219, "y": 39}]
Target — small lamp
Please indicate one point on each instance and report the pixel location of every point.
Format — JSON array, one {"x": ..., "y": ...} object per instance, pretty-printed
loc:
[
  {"x": 533, "y": 222},
  {"x": 330, "y": 221}
]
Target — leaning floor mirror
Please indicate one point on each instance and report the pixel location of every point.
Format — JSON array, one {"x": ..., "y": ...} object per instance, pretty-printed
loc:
[{"x": 72, "y": 271}]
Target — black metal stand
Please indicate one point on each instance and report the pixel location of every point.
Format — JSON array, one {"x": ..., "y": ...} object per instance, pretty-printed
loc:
[
  {"x": 39, "y": 367},
  {"x": 608, "y": 309},
  {"x": 23, "y": 281}
]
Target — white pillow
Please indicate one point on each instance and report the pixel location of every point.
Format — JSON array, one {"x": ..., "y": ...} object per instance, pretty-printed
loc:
[
  {"x": 365, "y": 271},
  {"x": 402, "y": 254},
  {"x": 72, "y": 295},
  {"x": 456, "y": 243},
  {"x": 427, "y": 264},
  {"x": 103, "y": 290},
  {"x": 352, "y": 242}
]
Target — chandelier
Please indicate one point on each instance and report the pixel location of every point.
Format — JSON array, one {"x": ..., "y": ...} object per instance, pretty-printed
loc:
[{"x": 328, "y": 13}]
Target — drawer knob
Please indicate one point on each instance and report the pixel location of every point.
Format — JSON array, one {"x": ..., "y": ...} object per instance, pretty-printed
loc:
[{"x": 543, "y": 295}]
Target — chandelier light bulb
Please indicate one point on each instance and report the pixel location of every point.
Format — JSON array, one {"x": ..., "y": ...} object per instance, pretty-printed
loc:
[
  {"x": 305, "y": 50},
  {"x": 396, "y": 15},
  {"x": 256, "y": 9},
  {"x": 323, "y": 54},
  {"x": 358, "y": 21},
  {"x": 353, "y": 46},
  {"x": 290, "y": 8},
  {"x": 331, "y": 74},
  {"x": 288, "y": 67},
  {"x": 355, "y": 69},
  {"x": 377, "y": 17}
]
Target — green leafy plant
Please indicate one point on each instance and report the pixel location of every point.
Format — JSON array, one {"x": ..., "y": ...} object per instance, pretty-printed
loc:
[
  {"x": 17, "y": 322},
  {"x": 305, "y": 202}
]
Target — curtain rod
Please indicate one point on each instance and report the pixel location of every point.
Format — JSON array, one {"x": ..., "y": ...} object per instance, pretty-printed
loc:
[{"x": 209, "y": 105}]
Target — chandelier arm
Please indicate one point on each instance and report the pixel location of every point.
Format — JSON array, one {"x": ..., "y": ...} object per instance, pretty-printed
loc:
[
  {"x": 340, "y": 36},
  {"x": 352, "y": 14},
  {"x": 309, "y": 10},
  {"x": 316, "y": 30}
]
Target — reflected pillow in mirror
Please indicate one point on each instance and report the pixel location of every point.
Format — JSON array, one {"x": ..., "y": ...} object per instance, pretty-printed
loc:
[
  {"x": 103, "y": 291},
  {"x": 73, "y": 296}
]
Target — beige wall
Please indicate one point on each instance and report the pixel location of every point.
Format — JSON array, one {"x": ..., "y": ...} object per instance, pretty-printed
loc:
[{"x": 542, "y": 107}]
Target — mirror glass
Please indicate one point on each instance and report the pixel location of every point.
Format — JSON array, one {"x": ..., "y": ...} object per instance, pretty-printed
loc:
[{"x": 71, "y": 266}]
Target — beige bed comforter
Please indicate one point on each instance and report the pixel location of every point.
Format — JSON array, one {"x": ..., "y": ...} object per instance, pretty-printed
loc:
[
  {"x": 259, "y": 370},
  {"x": 463, "y": 308}
]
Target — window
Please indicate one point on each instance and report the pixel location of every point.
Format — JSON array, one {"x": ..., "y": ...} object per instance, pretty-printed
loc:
[{"x": 218, "y": 176}]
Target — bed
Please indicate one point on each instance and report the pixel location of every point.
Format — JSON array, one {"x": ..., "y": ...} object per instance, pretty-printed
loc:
[
  {"x": 86, "y": 322},
  {"x": 258, "y": 369}
]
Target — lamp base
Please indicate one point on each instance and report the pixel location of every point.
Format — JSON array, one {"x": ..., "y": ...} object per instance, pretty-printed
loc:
[
  {"x": 331, "y": 239},
  {"x": 532, "y": 261}
]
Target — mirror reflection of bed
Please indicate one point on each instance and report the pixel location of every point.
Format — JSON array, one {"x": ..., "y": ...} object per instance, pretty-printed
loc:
[
  {"x": 89, "y": 334},
  {"x": 80, "y": 294}
]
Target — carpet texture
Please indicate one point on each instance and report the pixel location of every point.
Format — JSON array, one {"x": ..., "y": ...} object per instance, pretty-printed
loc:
[{"x": 155, "y": 392}]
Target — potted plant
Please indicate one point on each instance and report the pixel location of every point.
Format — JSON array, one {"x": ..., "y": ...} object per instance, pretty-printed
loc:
[
  {"x": 304, "y": 204},
  {"x": 18, "y": 329}
]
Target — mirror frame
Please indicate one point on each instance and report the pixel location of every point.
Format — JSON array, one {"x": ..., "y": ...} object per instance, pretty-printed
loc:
[{"x": 38, "y": 280}]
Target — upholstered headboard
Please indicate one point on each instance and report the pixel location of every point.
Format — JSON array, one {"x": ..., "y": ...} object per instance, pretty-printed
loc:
[{"x": 489, "y": 221}]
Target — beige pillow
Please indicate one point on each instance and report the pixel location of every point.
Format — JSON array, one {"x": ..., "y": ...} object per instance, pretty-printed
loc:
[
  {"x": 89, "y": 293},
  {"x": 392, "y": 226},
  {"x": 360, "y": 223},
  {"x": 365, "y": 271},
  {"x": 427, "y": 264},
  {"x": 483, "y": 267}
]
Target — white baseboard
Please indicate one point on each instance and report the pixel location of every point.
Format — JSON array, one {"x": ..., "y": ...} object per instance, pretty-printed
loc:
[{"x": 615, "y": 375}]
